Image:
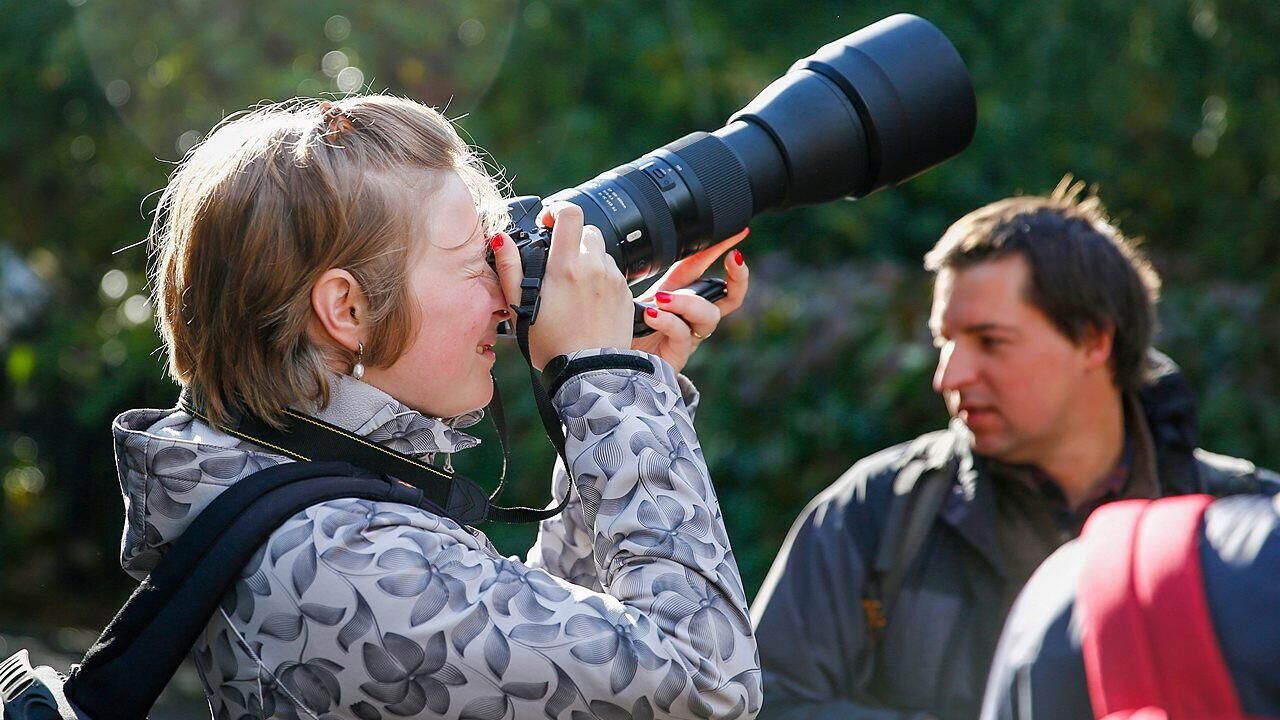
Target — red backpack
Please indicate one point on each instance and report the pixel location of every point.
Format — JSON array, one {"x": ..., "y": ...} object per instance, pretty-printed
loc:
[{"x": 1150, "y": 650}]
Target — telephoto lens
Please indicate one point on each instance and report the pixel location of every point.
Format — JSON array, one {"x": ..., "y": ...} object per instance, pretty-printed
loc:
[{"x": 865, "y": 112}]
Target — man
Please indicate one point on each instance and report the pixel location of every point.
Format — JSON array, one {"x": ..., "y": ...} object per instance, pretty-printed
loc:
[{"x": 888, "y": 596}]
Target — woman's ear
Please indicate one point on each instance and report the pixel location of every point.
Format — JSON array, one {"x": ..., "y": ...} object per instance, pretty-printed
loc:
[{"x": 339, "y": 305}]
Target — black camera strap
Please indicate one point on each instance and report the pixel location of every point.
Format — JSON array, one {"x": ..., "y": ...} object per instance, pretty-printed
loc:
[
  {"x": 305, "y": 438},
  {"x": 535, "y": 265}
]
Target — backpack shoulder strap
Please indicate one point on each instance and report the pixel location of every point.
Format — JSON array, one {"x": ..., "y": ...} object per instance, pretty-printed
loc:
[
  {"x": 920, "y": 488},
  {"x": 1148, "y": 640},
  {"x": 137, "y": 654}
]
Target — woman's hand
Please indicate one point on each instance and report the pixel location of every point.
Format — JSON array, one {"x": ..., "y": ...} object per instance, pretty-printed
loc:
[
  {"x": 585, "y": 299},
  {"x": 681, "y": 319}
]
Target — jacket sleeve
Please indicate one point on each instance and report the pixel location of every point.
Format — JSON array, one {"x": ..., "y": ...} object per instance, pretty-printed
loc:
[
  {"x": 371, "y": 613},
  {"x": 809, "y": 620},
  {"x": 563, "y": 545}
]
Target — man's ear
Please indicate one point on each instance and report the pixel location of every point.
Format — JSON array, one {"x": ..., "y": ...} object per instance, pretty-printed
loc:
[
  {"x": 339, "y": 306},
  {"x": 1097, "y": 344}
]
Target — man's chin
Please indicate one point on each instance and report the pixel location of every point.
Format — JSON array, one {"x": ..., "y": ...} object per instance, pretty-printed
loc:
[{"x": 989, "y": 443}]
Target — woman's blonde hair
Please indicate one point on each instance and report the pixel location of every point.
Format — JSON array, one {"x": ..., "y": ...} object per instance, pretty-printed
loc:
[{"x": 255, "y": 214}]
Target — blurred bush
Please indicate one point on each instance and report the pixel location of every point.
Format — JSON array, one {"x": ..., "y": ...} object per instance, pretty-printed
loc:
[{"x": 1171, "y": 107}]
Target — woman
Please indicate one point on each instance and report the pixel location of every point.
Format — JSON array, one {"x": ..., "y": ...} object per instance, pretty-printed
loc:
[{"x": 334, "y": 258}]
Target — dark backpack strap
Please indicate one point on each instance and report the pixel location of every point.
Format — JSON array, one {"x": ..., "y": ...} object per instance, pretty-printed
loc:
[
  {"x": 137, "y": 654},
  {"x": 921, "y": 515},
  {"x": 920, "y": 488},
  {"x": 1147, "y": 637}
]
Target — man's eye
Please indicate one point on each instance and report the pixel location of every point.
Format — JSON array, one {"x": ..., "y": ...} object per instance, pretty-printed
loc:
[{"x": 991, "y": 343}]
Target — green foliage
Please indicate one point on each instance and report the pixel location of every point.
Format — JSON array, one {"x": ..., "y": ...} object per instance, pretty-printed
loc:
[{"x": 1172, "y": 108}]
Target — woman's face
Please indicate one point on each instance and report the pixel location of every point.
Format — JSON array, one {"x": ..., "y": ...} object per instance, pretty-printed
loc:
[{"x": 445, "y": 371}]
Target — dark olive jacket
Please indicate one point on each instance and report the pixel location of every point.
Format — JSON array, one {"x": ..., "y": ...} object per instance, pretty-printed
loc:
[{"x": 933, "y": 657}]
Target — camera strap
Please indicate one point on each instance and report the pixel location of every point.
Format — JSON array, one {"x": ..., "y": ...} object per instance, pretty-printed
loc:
[
  {"x": 304, "y": 438},
  {"x": 535, "y": 265}
]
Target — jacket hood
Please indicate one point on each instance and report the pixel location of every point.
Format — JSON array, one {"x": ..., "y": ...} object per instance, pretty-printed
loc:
[
  {"x": 171, "y": 465},
  {"x": 1170, "y": 407}
]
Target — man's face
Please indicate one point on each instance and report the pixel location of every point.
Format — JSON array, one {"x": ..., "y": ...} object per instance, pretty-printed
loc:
[{"x": 1004, "y": 370}]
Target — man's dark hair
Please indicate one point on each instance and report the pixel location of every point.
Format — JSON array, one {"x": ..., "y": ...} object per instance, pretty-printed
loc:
[{"x": 1085, "y": 274}]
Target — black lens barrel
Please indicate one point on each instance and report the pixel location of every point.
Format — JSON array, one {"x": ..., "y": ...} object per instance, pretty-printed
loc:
[
  {"x": 865, "y": 112},
  {"x": 912, "y": 92}
]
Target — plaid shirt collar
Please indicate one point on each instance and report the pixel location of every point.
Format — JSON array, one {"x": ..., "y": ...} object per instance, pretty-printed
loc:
[{"x": 1134, "y": 475}]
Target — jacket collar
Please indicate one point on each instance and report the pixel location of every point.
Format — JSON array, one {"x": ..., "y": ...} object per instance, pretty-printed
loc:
[
  {"x": 363, "y": 409},
  {"x": 1170, "y": 409},
  {"x": 367, "y": 411},
  {"x": 970, "y": 507}
]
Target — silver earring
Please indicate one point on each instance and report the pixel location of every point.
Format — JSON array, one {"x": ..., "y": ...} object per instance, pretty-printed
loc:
[{"x": 357, "y": 371}]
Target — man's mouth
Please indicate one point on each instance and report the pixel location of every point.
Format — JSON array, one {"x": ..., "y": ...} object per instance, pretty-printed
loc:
[{"x": 974, "y": 412}]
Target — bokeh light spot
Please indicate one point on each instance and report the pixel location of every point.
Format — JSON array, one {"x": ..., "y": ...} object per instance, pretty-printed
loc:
[
  {"x": 1205, "y": 143},
  {"x": 334, "y": 62},
  {"x": 20, "y": 364},
  {"x": 471, "y": 32},
  {"x": 25, "y": 449},
  {"x": 309, "y": 87},
  {"x": 536, "y": 15},
  {"x": 118, "y": 92},
  {"x": 27, "y": 480},
  {"x": 350, "y": 79},
  {"x": 1215, "y": 113},
  {"x": 136, "y": 310},
  {"x": 187, "y": 140},
  {"x": 145, "y": 53},
  {"x": 337, "y": 28},
  {"x": 1205, "y": 23},
  {"x": 114, "y": 284},
  {"x": 82, "y": 148}
]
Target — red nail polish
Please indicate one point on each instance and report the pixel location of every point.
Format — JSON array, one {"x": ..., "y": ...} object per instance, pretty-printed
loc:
[
  {"x": 663, "y": 297},
  {"x": 737, "y": 256},
  {"x": 496, "y": 240},
  {"x": 651, "y": 312}
]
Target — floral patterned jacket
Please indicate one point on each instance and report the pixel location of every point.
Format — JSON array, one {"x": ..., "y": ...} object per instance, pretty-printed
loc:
[{"x": 630, "y": 603}]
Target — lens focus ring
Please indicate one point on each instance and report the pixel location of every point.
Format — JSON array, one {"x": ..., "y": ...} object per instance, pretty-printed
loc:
[{"x": 723, "y": 179}]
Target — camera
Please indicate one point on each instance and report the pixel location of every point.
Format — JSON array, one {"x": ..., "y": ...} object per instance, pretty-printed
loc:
[{"x": 863, "y": 113}]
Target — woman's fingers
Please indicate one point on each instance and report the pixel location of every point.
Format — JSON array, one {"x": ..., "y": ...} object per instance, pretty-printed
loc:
[
  {"x": 506, "y": 260},
  {"x": 677, "y": 337},
  {"x": 566, "y": 233},
  {"x": 585, "y": 302},
  {"x": 737, "y": 278},
  {"x": 593, "y": 242},
  {"x": 692, "y": 267},
  {"x": 700, "y": 315}
]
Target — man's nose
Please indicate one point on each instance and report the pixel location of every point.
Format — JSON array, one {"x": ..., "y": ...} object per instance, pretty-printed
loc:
[{"x": 955, "y": 369}]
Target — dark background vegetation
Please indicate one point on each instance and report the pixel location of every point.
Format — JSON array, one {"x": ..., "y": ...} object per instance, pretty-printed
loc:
[{"x": 1171, "y": 107}]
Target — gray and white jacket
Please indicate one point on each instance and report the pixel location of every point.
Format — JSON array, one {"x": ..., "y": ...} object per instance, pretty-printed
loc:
[{"x": 629, "y": 605}]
